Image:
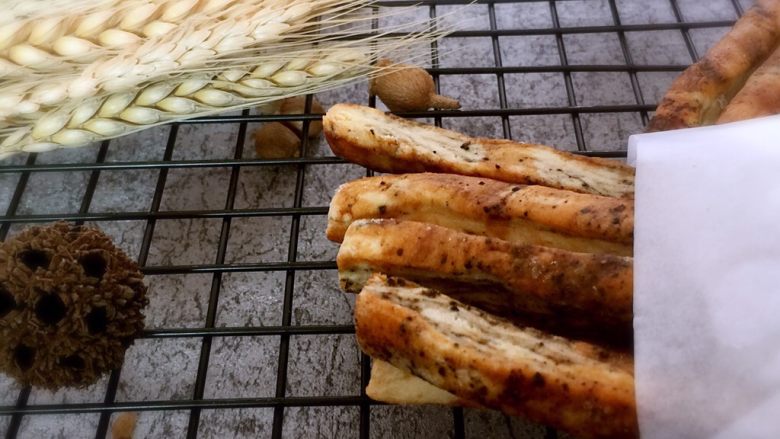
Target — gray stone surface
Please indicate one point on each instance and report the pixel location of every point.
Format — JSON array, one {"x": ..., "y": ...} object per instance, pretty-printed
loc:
[
  {"x": 554, "y": 129},
  {"x": 320, "y": 422},
  {"x": 9, "y": 390},
  {"x": 596, "y": 48},
  {"x": 609, "y": 131},
  {"x": 492, "y": 424},
  {"x": 174, "y": 312},
  {"x": 53, "y": 192},
  {"x": 58, "y": 426},
  {"x": 529, "y": 50},
  {"x": 603, "y": 88},
  {"x": 242, "y": 367},
  {"x": 523, "y": 15},
  {"x": 712, "y": 10},
  {"x": 645, "y": 49},
  {"x": 93, "y": 393},
  {"x": 325, "y": 365},
  {"x": 316, "y": 302},
  {"x": 157, "y": 369},
  {"x": 705, "y": 38},
  {"x": 416, "y": 422},
  {"x": 235, "y": 423},
  {"x": 584, "y": 13},
  {"x": 642, "y": 12},
  {"x": 264, "y": 291}
]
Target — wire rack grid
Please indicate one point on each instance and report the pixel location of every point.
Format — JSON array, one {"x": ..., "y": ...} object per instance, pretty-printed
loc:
[{"x": 247, "y": 333}]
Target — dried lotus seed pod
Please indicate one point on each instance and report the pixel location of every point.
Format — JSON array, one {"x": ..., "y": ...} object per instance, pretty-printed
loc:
[{"x": 70, "y": 305}]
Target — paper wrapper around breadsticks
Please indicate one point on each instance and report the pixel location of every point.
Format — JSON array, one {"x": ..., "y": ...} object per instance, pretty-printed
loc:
[{"x": 706, "y": 276}]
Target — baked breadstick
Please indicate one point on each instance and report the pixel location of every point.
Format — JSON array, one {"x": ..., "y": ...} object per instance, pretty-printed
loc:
[
  {"x": 528, "y": 214},
  {"x": 395, "y": 386},
  {"x": 760, "y": 96},
  {"x": 387, "y": 143},
  {"x": 700, "y": 93},
  {"x": 522, "y": 278},
  {"x": 577, "y": 387}
]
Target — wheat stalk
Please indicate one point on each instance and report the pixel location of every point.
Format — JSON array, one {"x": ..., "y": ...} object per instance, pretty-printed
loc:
[
  {"x": 202, "y": 93},
  {"x": 106, "y": 56},
  {"x": 51, "y": 41},
  {"x": 117, "y": 48},
  {"x": 240, "y": 54}
]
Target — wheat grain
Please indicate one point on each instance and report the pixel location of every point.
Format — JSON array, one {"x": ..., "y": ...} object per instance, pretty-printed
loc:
[
  {"x": 88, "y": 75},
  {"x": 49, "y": 60},
  {"x": 199, "y": 94}
]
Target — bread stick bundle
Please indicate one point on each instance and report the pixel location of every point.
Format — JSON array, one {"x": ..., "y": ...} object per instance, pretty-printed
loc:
[
  {"x": 482, "y": 267},
  {"x": 582, "y": 293},
  {"x": 709, "y": 91},
  {"x": 760, "y": 96},
  {"x": 481, "y": 206},
  {"x": 434, "y": 349},
  {"x": 388, "y": 143}
]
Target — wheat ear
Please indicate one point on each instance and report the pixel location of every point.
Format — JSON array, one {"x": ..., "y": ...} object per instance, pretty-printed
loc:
[
  {"x": 117, "y": 48},
  {"x": 202, "y": 93},
  {"x": 326, "y": 43}
]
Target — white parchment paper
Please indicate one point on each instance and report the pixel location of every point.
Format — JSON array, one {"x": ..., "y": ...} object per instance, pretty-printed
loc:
[{"x": 707, "y": 281}]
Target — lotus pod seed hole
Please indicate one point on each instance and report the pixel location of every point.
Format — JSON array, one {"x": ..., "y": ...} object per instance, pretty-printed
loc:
[
  {"x": 94, "y": 264},
  {"x": 34, "y": 258},
  {"x": 73, "y": 362},
  {"x": 7, "y": 301},
  {"x": 138, "y": 291},
  {"x": 50, "y": 309},
  {"x": 24, "y": 356},
  {"x": 97, "y": 321}
]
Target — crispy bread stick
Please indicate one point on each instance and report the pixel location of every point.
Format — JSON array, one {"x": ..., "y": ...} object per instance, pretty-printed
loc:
[
  {"x": 760, "y": 96},
  {"x": 524, "y": 278},
  {"x": 527, "y": 214},
  {"x": 395, "y": 386},
  {"x": 577, "y": 387},
  {"x": 700, "y": 93},
  {"x": 387, "y": 143}
]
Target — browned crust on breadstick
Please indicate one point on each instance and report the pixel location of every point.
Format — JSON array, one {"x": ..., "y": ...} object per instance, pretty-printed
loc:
[
  {"x": 577, "y": 387},
  {"x": 528, "y": 214},
  {"x": 700, "y": 93},
  {"x": 387, "y": 143},
  {"x": 760, "y": 96},
  {"x": 532, "y": 279}
]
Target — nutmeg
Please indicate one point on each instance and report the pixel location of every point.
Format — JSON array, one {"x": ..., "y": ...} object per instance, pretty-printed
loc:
[
  {"x": 277, "y": 141},
  {"x": 407, "y": 88},
  {"x": 297, "y": 105},
  {"x": 124, "y": 425}
]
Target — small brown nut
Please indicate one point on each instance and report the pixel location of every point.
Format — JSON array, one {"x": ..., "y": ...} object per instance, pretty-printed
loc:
[
  {"x": 276, "y": 141},
  {"x": 297, "y": 105},
  {"x": 407, "y": 88},
  {"x": 124, "y": 425},
  {"x": 270, "y": 107}
]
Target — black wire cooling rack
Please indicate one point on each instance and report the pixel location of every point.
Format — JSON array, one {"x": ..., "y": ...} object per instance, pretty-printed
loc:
[{"x": 573, "y": 111}]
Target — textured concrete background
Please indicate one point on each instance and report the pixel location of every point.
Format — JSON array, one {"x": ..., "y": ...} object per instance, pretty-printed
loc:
[{"x": 326, "y": 364}]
